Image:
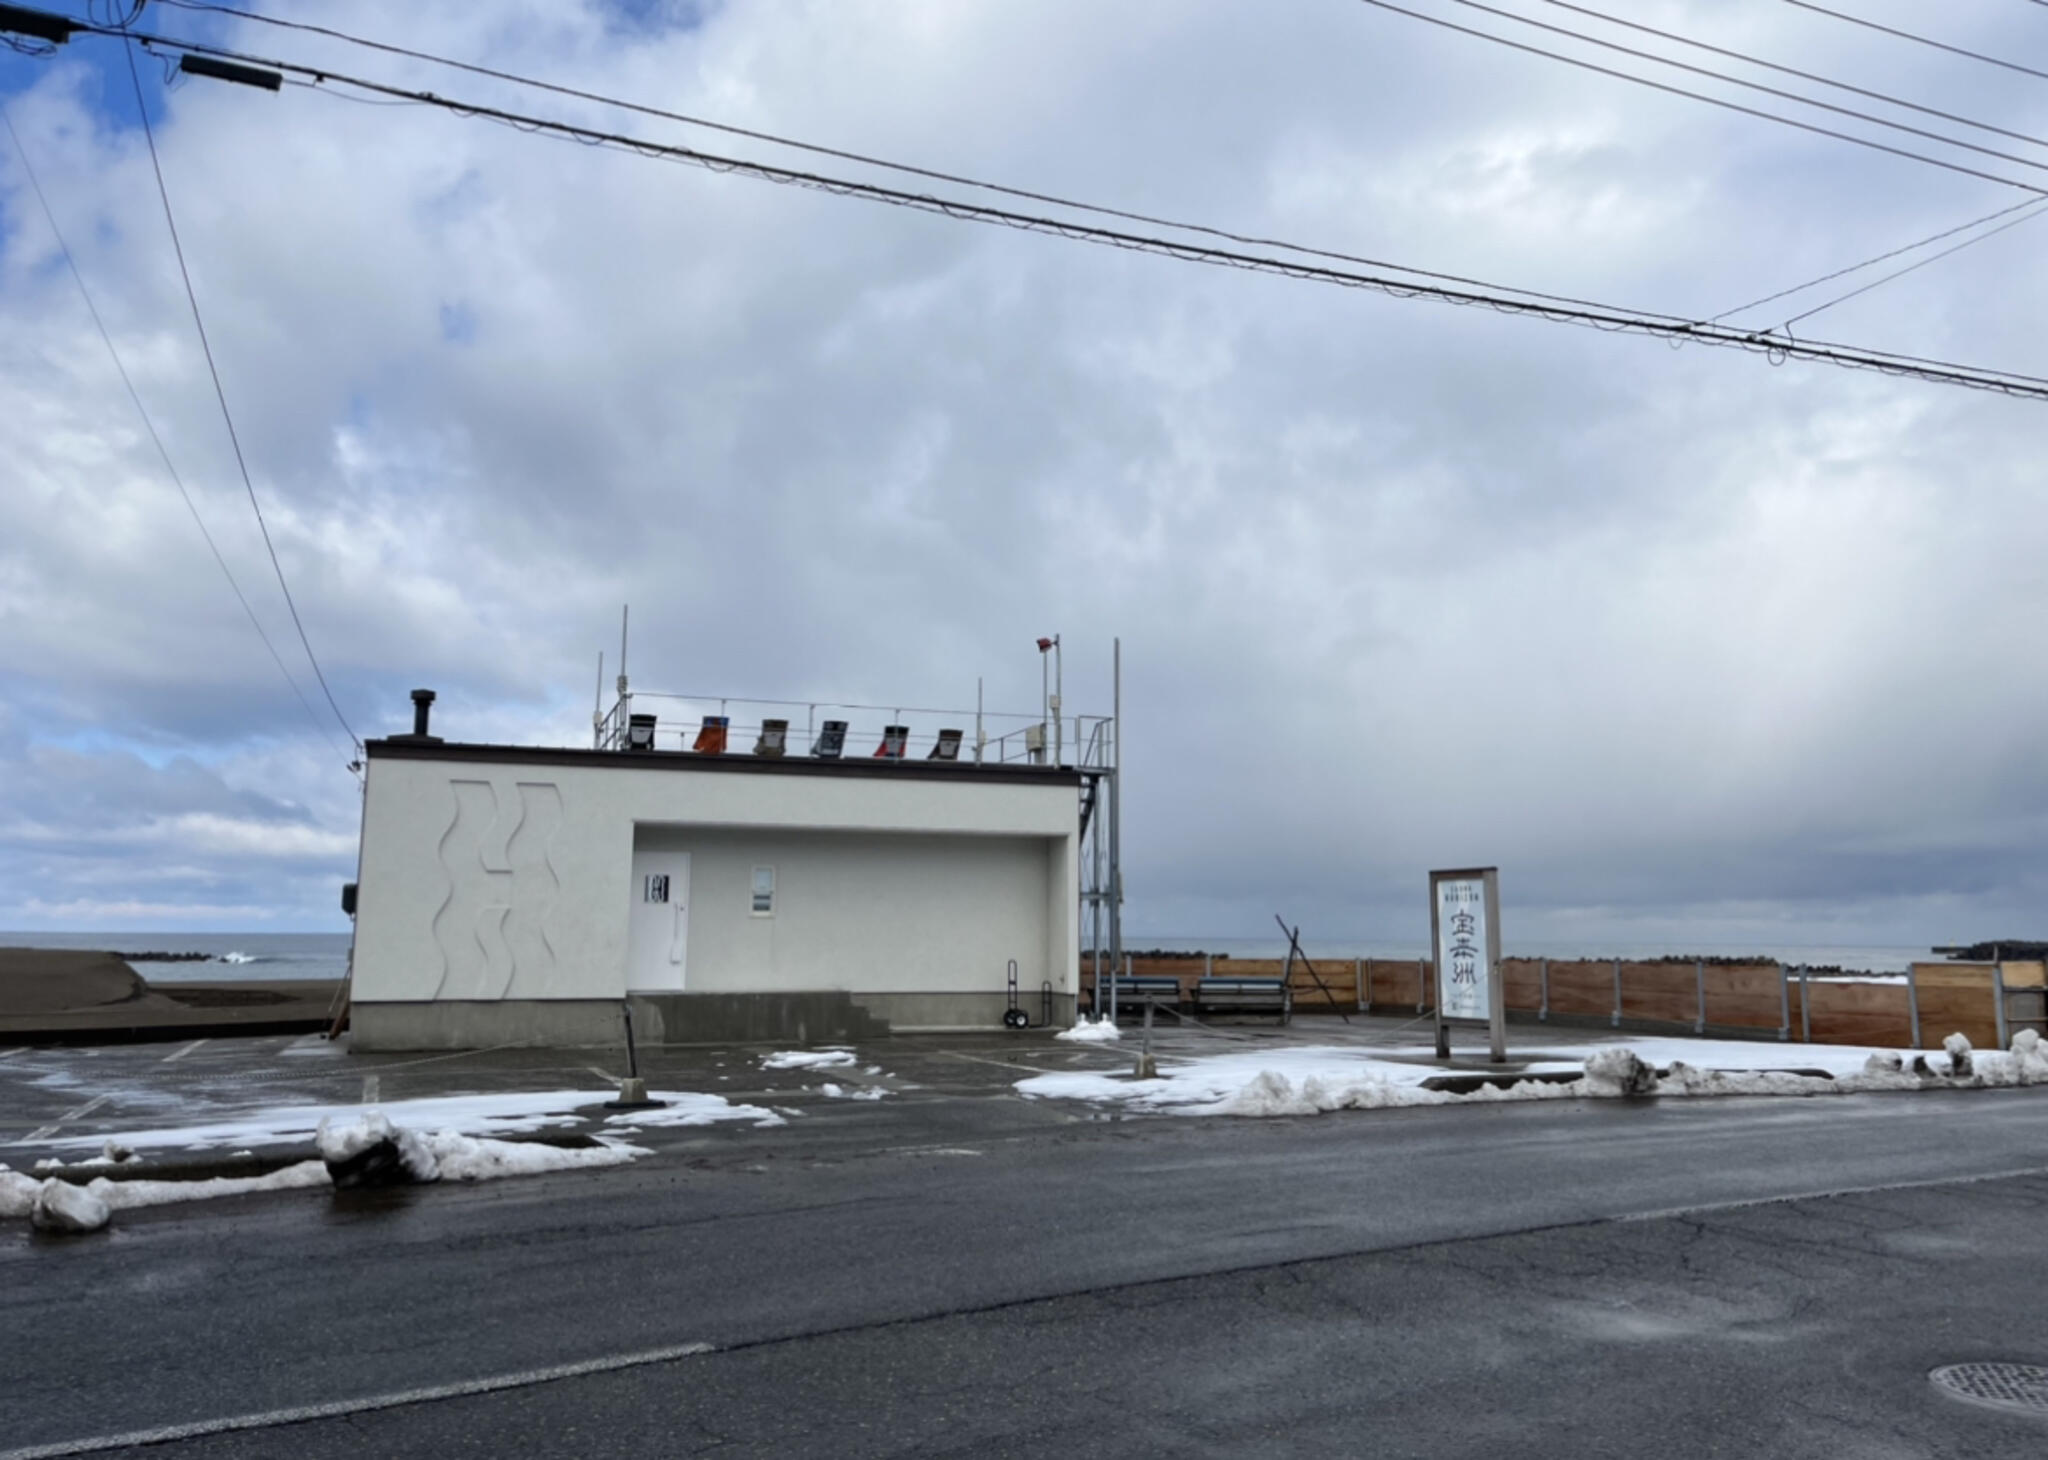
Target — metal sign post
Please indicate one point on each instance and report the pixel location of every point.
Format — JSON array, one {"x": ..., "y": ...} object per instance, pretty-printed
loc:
[{"x": 1464, "y": 932}]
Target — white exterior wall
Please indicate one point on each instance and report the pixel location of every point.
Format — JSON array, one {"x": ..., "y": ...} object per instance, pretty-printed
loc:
[
  {"x": 510, "y": 880},
  {"x": 898, "y": 912}
]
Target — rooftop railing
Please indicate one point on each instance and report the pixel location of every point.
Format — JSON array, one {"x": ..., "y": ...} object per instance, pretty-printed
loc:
[{"x": 660, "y": 720}]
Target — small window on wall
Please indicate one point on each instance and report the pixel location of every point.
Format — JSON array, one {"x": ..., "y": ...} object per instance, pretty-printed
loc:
[{"x": 764, "y": 892}]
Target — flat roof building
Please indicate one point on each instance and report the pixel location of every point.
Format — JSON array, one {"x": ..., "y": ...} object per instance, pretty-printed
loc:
[{"x": 512, "y": 893}]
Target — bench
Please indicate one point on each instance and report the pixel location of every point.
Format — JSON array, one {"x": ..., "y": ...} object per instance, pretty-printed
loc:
[
  {"x": 1133, "y": 989},
  {"x": 1244, "y": 996}
]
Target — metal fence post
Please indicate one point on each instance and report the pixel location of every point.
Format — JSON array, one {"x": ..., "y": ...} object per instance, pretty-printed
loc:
[
  {"x": 1208, "y": 965},
  {"x": 1805, "y": 1007},
  {"x": 1617, "y": 993},
  {"x": 1421, "y": 985},
  {"x": 1699, "y": 996},
  {"x": 1784, "y": 1006},
  {"x": 1358, "y": 983},
  {"x": 1998, "y": 993},
  {"x": 1913, "y": 1002},
  {"x": 1543, "y": 1009},
  {"x": 1368, "y": 985}
]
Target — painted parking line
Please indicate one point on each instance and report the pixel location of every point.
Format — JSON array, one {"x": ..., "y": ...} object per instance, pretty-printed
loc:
[
  {"x": 65, "y": 1119},
  {"x": 178, "y": 1054},
  {"x": 335, "y": 1409}
]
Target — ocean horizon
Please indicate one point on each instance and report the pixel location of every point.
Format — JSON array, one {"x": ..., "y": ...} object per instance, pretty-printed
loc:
[{"x": 268, "y": 955}]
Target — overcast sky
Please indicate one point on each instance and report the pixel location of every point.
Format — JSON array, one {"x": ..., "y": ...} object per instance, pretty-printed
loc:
[{"x": 1695, "y": 648}]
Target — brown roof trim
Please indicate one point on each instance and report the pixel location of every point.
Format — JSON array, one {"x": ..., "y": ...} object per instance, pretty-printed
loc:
[{"x": 404, "y": 747}]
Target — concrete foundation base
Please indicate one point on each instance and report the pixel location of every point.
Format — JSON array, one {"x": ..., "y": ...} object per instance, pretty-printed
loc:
[
  {"x": 812, "y": 1017},
  {"x": 930, "y": 1013}
]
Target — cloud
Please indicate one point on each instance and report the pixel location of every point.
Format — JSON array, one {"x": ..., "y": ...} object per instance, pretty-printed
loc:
[{"x": 1681, "y": 641}]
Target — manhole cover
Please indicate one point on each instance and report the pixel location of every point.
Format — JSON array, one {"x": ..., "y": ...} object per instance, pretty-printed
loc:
[{"x": 2020, "y": 1387}]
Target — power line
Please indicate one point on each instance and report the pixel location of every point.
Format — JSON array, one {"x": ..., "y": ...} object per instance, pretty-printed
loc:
[
  {"x": 1744, "y": 56},
  {"x": 1792, "y": 96},
  {"x": 1665, "y": 326},
  {"x": 1732, "y": 106},
  {"x": 1907, "y": 35},
  {"x": 149, "y": 425},
  {"x": 1891, "y": 253},
  {"x": 1916, "y": 264},
  {"x": 2031, "y": 203},
  {"x": 220, "y": 394},
  {"x": 1677, "y": 329},
  {"x": 870, "y": 160},
  {"x": 844, "y": 155}
]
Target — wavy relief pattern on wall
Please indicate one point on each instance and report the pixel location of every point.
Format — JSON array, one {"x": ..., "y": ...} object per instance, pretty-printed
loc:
[{"x": 494, "y": 928}]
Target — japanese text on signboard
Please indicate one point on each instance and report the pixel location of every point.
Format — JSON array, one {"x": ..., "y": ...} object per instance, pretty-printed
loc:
[{"x": 1464, "y": 974}]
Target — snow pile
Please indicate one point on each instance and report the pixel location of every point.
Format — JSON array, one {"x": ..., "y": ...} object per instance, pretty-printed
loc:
[
  {"x": 62, "y": 1207},
  {"x": 468, "y": 1158},
  {"x": 807, "y": 1059},
  {"x": 451, "y": 1156},
  {"x": 370, "y": 1151},
  {"x": 17, "y": 1193},
  {"x": 1308, "y": 1080},
  {"x": 1620, "y": 1072},
  {"x": 1300, "y": 1081},
  {"x": 1091, "y": 1031}
]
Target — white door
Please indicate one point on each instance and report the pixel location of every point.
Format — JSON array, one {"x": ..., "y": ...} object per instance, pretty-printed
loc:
[{"x": 658, "y": 933}]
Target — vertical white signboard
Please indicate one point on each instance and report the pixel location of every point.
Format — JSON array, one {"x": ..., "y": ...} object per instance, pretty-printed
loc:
[
  {"x": 1464, "y": 919},
  {"x": 1464, "y": 974}
]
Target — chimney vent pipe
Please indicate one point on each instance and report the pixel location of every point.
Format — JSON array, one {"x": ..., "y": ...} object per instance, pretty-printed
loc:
[{"x": 422, "y": 706}]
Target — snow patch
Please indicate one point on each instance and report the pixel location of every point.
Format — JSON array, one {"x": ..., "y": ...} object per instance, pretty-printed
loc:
[
  {"x": 807, "y": 1059},
  {"x": 690, "y": 1107},
  {"x": 514, "y": 1113},
  {"x": 1091, "y": 1031},
  {"x": 840, "y": 1092},
  {"x": 122, "y": 1195}
]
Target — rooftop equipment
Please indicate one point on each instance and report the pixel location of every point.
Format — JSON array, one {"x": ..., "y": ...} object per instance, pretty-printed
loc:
[
  {"x": 711, "y": 738},
  {"x": 948, "y": 747},
  {"x": 422, "y": 707},
  {"x": 895, "y": 740},
  {"x": 831, "y": 740},
  {"x": 640, "y": 732},
  {"x": 774, "y": 738}
]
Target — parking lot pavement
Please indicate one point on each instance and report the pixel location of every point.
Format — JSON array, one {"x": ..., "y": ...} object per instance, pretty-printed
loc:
[{"x": 66, "y": 1101}]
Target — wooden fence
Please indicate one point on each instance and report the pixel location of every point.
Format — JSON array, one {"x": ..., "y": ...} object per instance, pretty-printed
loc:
[{"x": 1986, "y": 1002}]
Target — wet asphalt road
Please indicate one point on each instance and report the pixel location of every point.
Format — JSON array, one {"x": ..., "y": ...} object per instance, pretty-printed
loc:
[{"x": 1486, "y": 1280}]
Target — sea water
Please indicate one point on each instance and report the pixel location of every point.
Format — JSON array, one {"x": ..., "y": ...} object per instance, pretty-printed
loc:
[
  {"x": 232, "y": 955},
  {"x": 1880, "y": 959}
]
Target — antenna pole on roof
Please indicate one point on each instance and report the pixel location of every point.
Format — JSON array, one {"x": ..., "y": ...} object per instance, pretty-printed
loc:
[
  {"x": 597, "y": 707},
  {"x": 625, "y": 696},
  {"x": 1116, "y": 817},
  {"x": 980, "y": 735},
  {"x": 1058, "y": 710}
]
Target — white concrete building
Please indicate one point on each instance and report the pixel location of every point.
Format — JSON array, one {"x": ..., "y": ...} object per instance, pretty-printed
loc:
[{"x": 511, "y": 893}]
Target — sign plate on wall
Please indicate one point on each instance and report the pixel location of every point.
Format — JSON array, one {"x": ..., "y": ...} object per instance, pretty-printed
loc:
[{"x": 1464, "y": 926}]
